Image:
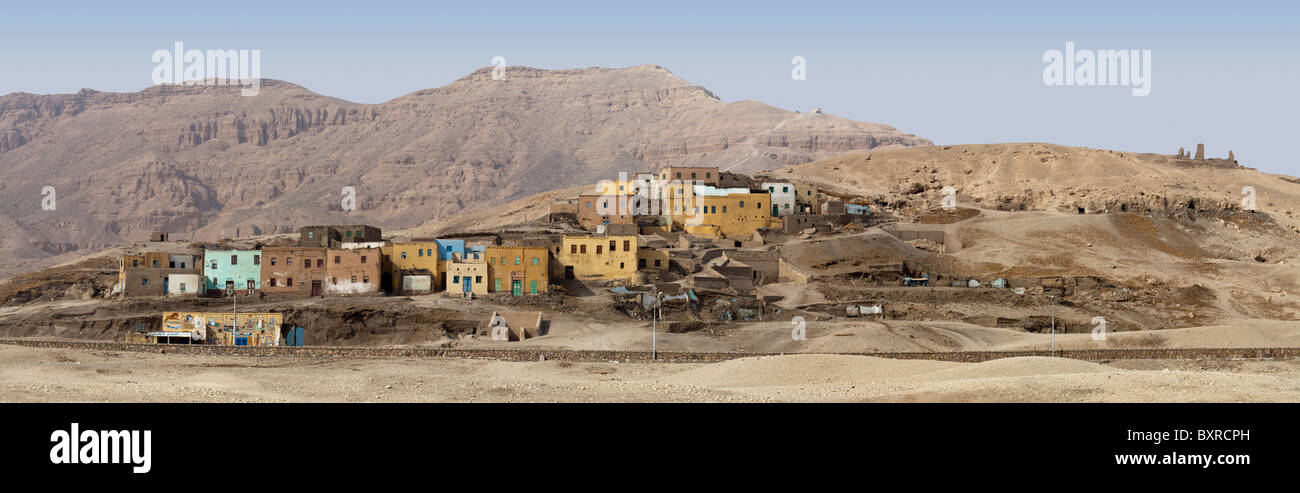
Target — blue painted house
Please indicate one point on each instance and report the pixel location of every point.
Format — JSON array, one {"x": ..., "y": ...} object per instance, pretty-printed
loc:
[{"x": 240, "y": 269}]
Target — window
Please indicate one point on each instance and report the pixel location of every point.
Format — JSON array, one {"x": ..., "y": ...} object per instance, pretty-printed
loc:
[
  {"x": 288, "y": 282},
  {"x": 257, "y": 260},
  {"x": 582, "y": 248},
  {"x": 787, "y": 206},
  {"x": 348, "y": 233},
  {"x": 306, "y": 263},
  {"x": 613, "y": 246},
  {"x": 363, "y": 259},
  {"x": 708, "y": 175},
  {"x": 715, "y": 209},
  {"x": 234, "y": 260},
  {"x": 135, "y": 263},
  {"x": 214, "y": 265},
  {"x": 626, "y": 244},
  {"x": 620, "y": 265},
  {"x": 759, "y": 206},
  {"x": 679, "y": 175},
  {"x": 336, "y": 260},
  {"x": 171, "y": 264},
  {"x": 598, "y": 247},
  {"x": 420, "y": 252},
  {"x": 692, "y": 176},
  {"x": 365, "y": 279},
  {"x": 742, "y": 203},
  {"x": 516, "y": 260},
  {"x": 320, "y": 262},
  {"x": 658, "y": 262},
  {"x": 785, "y": 189},
  {"x": 536, "y": 261},
  {"x": 354, "y": 278},
  {"x": 455, "y": 279},
  {"x": 403, "y": 253},
  {"x": 724, "y": 209},
  {"x": 771, "y": 189},
  {"x": 272, "y": 282},
  {"x": 214, "y": 281},
  {"x": 573, "y": 249},
  {"x": 492, "y": 260},
  {"x": 144, "y": 281},
  {"x": 311, "y": 234},
  {"x": 155, "y": 263},
  {"x": 503, "y": 261},
  {"x": 448, "y": 248},
  {"x": 478, "y": 279},
  {"x": 288, "y": 261},
  {"x": 588, "y": 204},
  {"x": 640, "y": 263}
]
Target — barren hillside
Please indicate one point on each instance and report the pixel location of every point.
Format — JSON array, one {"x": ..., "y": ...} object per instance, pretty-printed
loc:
[
  {"x": 205, "y": 163},
  {"x": 1169, "y": 234}
]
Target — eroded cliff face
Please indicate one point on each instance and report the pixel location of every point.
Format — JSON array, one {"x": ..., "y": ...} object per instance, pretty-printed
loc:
[{"x": 204, "y": 162}]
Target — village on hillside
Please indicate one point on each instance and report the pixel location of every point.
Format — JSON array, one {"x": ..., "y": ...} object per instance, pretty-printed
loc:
[{"x": 674, "y": 237}]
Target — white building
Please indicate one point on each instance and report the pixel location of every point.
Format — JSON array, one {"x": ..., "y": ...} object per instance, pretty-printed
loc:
[{"x": 783, "y": 198}]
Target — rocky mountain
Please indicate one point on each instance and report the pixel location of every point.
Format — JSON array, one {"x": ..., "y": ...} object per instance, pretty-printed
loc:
[{"x": 204, "y": 162}]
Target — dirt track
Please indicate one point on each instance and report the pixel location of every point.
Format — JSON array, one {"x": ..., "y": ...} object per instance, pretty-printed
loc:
[{"x": 59, "y": 375}]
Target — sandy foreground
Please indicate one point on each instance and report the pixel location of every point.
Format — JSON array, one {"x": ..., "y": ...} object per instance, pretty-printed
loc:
[{"x": 62, "y": 375}]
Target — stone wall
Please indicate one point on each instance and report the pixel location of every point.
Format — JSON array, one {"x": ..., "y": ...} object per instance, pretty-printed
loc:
[{"x": 536, "y": 354}]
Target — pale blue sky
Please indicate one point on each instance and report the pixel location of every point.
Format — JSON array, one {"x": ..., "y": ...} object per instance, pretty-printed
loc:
[{"x": 1224, "y": 73}]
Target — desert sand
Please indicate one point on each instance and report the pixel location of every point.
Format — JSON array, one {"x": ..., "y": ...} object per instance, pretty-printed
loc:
[{"x": 57, "y": 375}]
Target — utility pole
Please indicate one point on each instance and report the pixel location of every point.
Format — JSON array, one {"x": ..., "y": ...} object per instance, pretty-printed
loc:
[
  {"x": 234, "y": 315},
  {"x": 654, "y": 325},
  {"x": 1053, "y": 298}
]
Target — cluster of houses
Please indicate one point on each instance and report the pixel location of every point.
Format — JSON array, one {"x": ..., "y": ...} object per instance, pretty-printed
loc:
[{"x": 626, "y": 230}]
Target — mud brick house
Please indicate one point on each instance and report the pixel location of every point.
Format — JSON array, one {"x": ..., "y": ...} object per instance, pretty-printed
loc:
[
  {"x": 806, "y": 198},
  {"x": 596, "y": 208},
  {"x": 334, "y": 236},
  {"x": 352, "y": 271},
  {"x": 596, "y": 257},
  {"x": 294, "y": 270},
  {"x": 466, "y": 276},
  {"x": 517, "y": 269},
  {"x": 696, "y": 175},
  {"x": 159, "y": 273}
]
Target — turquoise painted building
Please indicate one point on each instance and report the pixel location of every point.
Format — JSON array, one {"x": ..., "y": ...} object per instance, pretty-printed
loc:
[{"x": 241, "y": 269}]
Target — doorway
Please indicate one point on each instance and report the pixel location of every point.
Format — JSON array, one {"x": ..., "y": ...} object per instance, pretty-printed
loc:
[
  {"x": 517, "y": 288},
  {"x": 315, "y": 288}
]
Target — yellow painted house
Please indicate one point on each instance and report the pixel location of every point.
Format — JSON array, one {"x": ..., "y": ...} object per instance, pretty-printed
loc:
[
  {"x": 517, "y": 269},
  {"x": 412, "y": 255},
  {"x": 598, "y": 257},
  {"x": 722, "y": 212}
]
